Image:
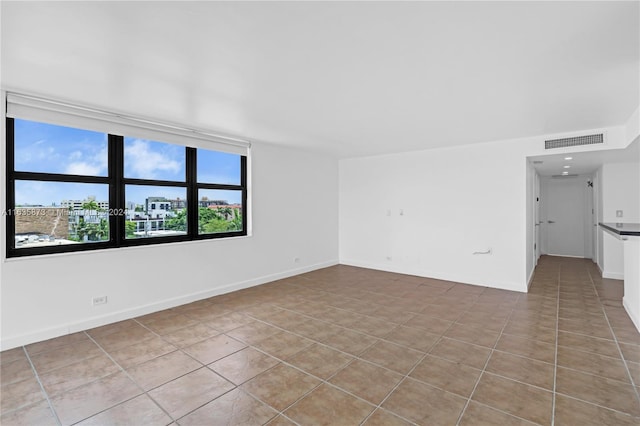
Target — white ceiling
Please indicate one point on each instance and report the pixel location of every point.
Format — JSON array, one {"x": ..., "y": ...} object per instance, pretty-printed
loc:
[
  {"x": 344, "y": 78},
  {"x": 585, "y": 163}
]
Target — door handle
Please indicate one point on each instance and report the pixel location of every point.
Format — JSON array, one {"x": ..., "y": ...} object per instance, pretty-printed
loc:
[{"x": 551, "y": 221}]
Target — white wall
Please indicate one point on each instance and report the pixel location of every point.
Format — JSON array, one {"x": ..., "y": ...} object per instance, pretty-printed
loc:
[
  {"x": 454, "y": 202},
  {"x": 597, "y": 190},
  {"x": 620, "y": 191},
  {"x": 294, "y": 199},
  {"x": 531, "y": 219}
]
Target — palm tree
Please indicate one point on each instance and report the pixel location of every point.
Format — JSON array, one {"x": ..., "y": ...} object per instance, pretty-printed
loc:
[
  {"x": 91, "y": 205},
  {"x": 236, "y": 223},
  {"x": 226, "y": 212}
]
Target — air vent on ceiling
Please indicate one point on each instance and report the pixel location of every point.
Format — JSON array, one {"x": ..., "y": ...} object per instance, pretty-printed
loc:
[
  {"x": 563, "y": 176},
  {"x": 574, "y": 141}
]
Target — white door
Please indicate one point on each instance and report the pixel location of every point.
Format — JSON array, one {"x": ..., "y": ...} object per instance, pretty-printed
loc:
[{"x": 565, "y": 216}]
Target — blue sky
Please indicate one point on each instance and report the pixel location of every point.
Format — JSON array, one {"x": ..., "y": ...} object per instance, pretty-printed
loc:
[{"x": 41, "y": 147}]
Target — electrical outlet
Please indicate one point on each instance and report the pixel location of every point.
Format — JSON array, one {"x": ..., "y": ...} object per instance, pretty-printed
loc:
[
  {"x": 99, "y": 300},
  {"x": 618, "y": 213},
  {"x": 296, "y": 260}
]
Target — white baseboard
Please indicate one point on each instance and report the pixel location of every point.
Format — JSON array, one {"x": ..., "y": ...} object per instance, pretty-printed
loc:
[
  {"x": 530, "y": 280},
  {"x": 613, "y": 275},
  {"x": 73, "y": 327},
  {"x": 633, "y": 315},
  {"x": 421, "y": 272}
]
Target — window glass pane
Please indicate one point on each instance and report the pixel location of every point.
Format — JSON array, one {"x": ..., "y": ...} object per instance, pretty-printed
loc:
[
  {"x": 144, "y": 159},
  {"x": 47, "y": 148},
  {"x": 57, "y": 213},
  {"x": 155, "y": 211},
  {"x": 218, "y": 167},
  {"x": 219, "y": 211}
]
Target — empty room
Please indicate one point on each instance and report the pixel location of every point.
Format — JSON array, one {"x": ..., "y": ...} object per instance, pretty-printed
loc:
[{"x": 320, "y": 213}]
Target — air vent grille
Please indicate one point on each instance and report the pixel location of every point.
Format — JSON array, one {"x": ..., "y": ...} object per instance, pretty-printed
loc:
[
  {"x": 564, "y": 176},
  {"x": 574, "y": 141}
]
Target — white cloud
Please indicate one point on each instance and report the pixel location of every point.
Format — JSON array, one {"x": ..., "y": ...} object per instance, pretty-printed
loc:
[
  {"x": 143, "y": 162},
  {"x": 82, "y": 168},
  {"x": 95, "y": 165},
  {"x": 101, "y": 159}
]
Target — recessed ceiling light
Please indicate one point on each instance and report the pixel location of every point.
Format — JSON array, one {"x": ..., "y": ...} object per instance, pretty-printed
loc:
[
  {"x": 568, "y": 158},
  {"x": 566, "y": 167},
  {"x": 565, "y": 173}
]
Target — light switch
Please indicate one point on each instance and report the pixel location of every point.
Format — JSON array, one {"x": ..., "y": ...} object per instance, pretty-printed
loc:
[{"x": 618, "y": 213}]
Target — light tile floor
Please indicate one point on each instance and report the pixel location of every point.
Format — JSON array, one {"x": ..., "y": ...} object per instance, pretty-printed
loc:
[{"x": 347, "y": 346}]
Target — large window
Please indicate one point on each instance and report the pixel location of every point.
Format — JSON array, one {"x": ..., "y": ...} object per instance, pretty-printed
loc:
[{"x": 70, "y": 189}]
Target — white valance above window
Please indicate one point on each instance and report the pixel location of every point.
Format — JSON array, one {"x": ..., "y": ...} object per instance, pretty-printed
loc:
[{"x": 63, "y": 114}]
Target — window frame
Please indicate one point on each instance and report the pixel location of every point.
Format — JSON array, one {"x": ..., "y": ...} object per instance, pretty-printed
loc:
[{"x": 116, "y": 187}]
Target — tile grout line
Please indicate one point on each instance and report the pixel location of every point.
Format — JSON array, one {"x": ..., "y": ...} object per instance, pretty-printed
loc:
[
  {"x": 615, "y": 338},
  {"x": 203, "y": 365},
  {"x": 122, "y": 369},
  {"x": 318, "y": 342},
  {"x": 177, "y": 349},
  {"x": 46, "y": 394},
  {"x": 357, "y": 357},
  {"x": 484, "y": 368},
  {"x": 422, "y": 358},
  {"x": 555, "y": 355},
  {"x": 327, "y": 380},
  {"x": 322, "y": 381}
]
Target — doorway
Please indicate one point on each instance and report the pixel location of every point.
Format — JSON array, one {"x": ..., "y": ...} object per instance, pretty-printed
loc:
[{"x": 566, "y": 216}]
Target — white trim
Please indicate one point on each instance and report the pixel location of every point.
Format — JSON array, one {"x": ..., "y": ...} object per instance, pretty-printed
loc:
[
  {"x": 613, "y": 275},
  {"x": 65, "y": 114},
  {"x": 420, "y": 272},
  {"x": 530, "y": 280},
  {"x": 634, "y": 318},
  {"x": 567, "y": 255},
  {"x": 73, "y": 327}
]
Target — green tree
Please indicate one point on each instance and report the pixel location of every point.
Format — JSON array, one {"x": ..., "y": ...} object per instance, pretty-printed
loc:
[
  {"x": 130, "y": 229},
  {"x": 102, "y": 231},
  {"x": 79, "y": 230},
  {"x": 91, "y": 205},
  {"x": 178, "y": 222},
  {"x": 236, "y": 222},
  {"x": 207, "y": 216},
  {"x": 226, "y": 212},
  {"x": 214, "y": 226}
]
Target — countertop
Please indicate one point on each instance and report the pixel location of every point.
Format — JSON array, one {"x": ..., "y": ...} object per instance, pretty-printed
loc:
[{"x": 632, "y": 229}]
